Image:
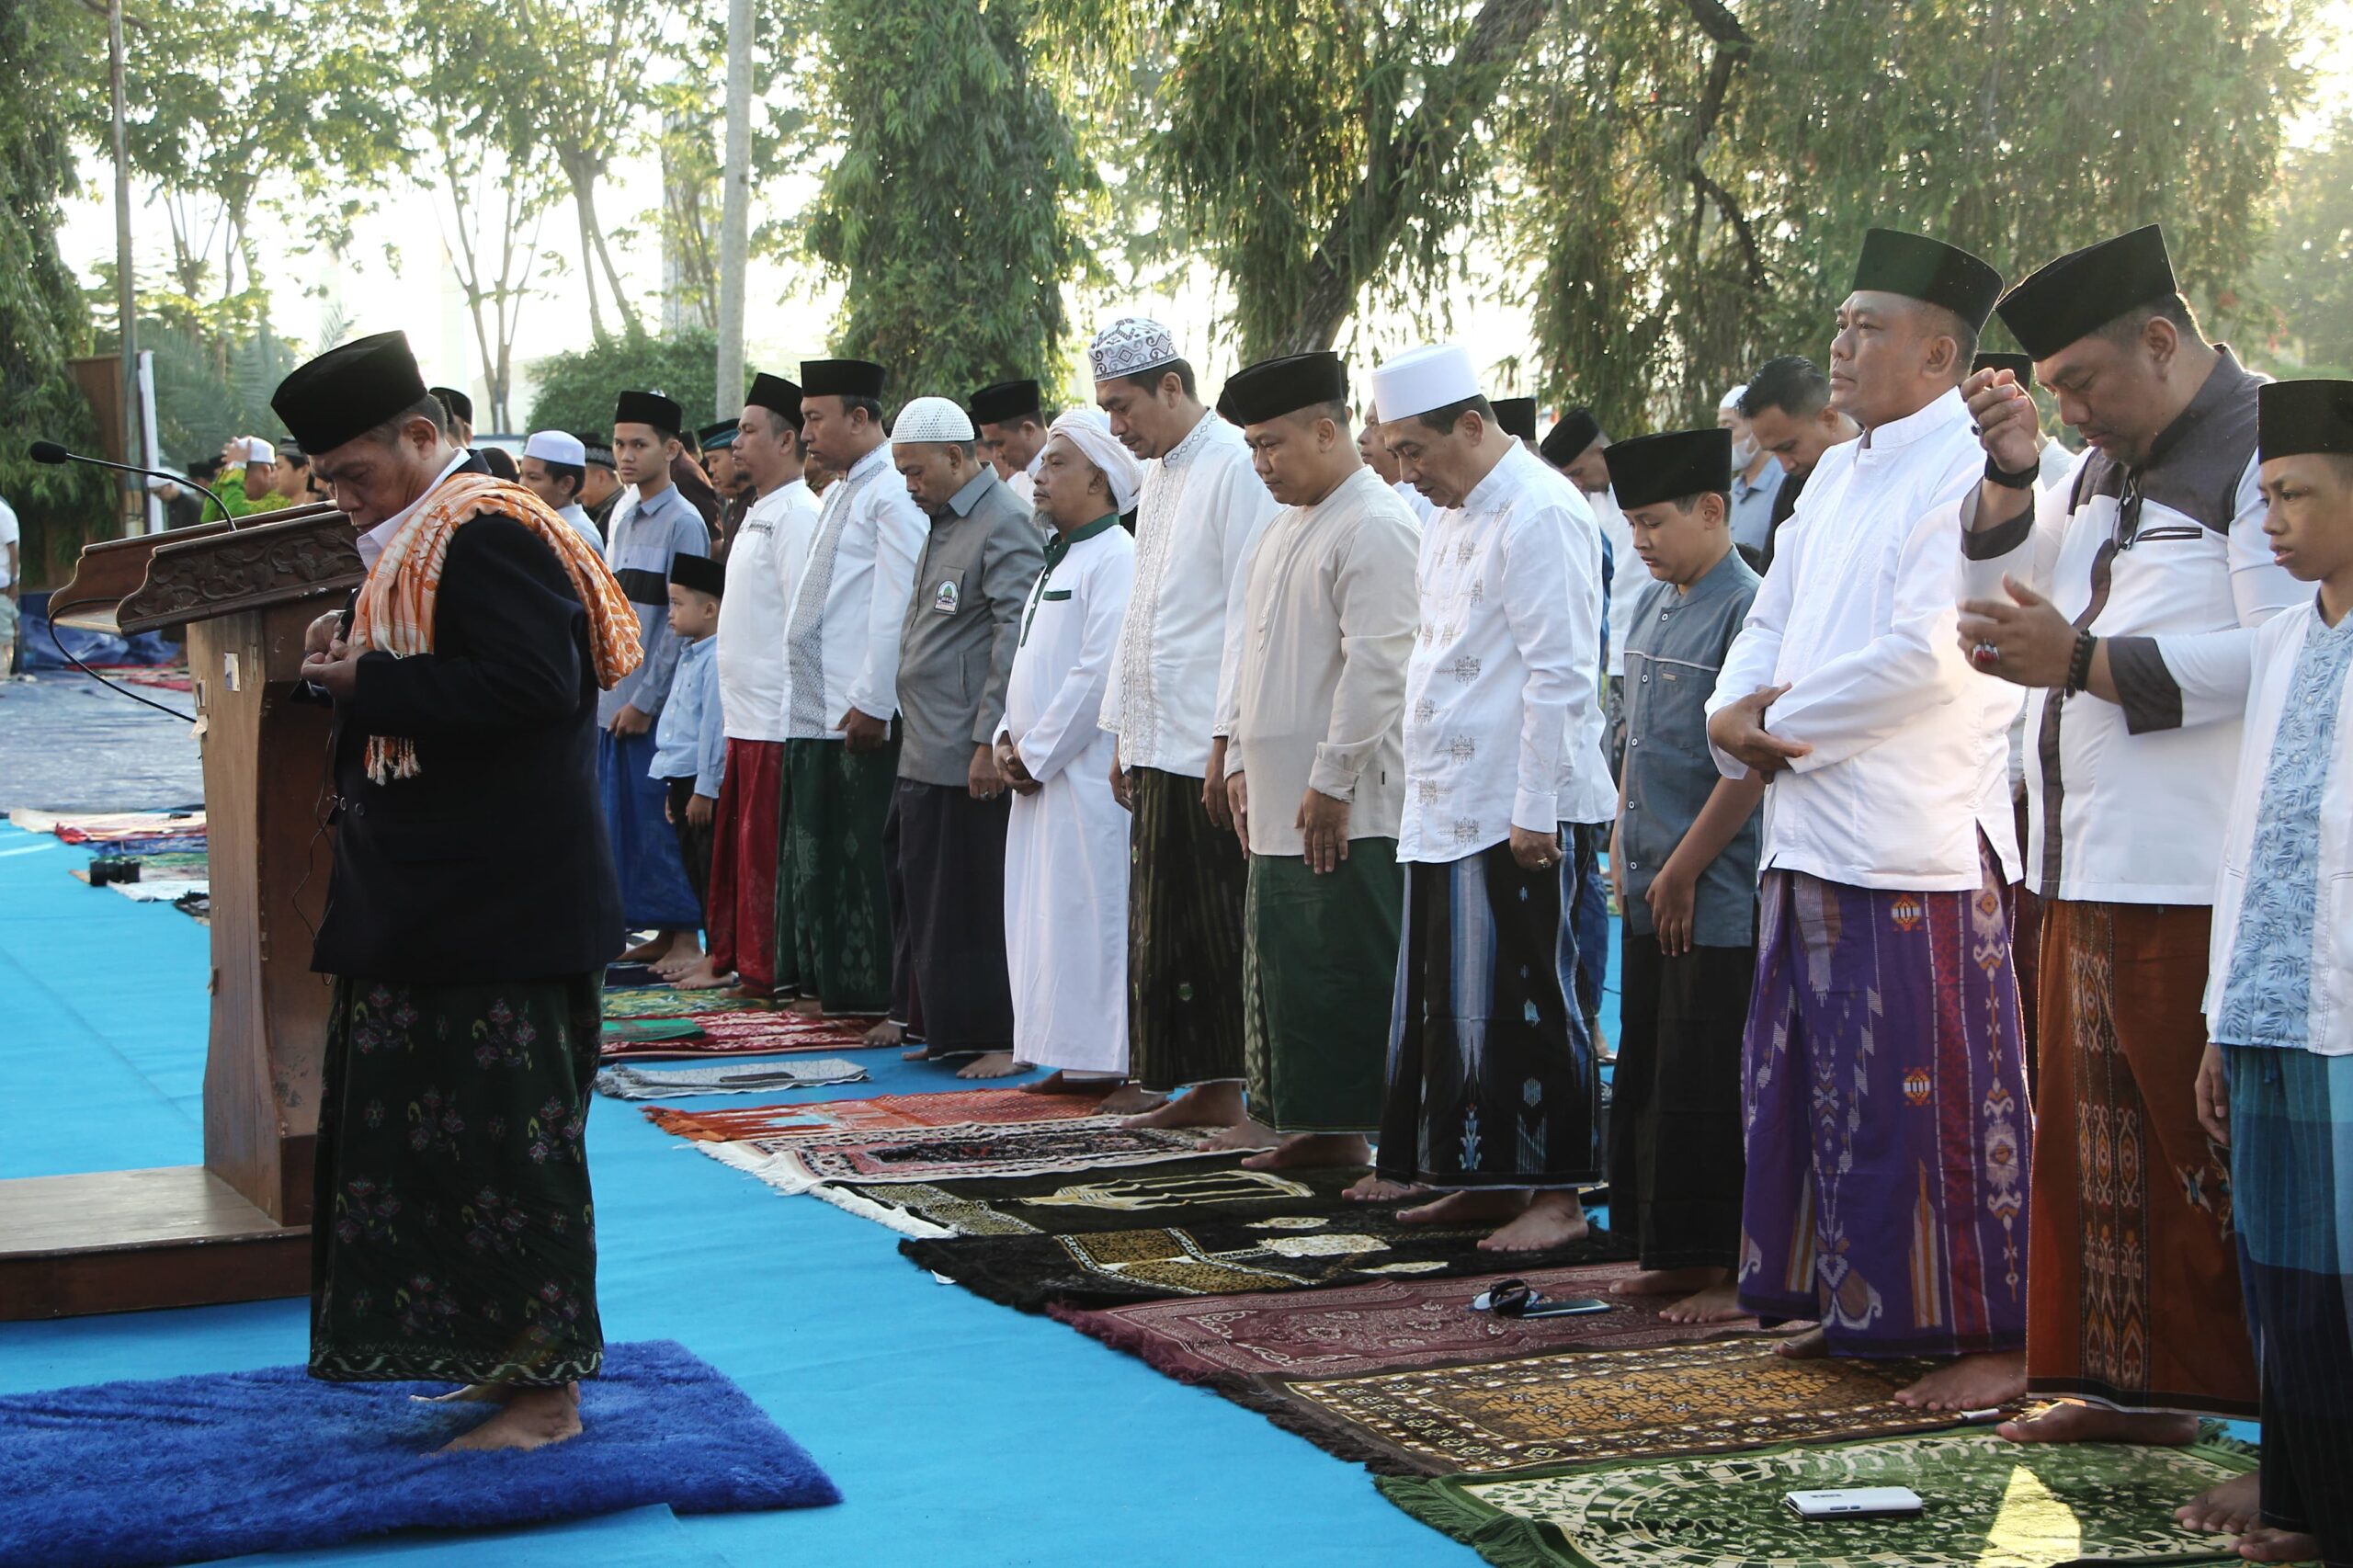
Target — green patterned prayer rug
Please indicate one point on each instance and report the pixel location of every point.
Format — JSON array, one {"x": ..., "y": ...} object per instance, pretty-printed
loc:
[
  {"x": 1990, "y": 1503},
  {"x": 639, "y": 1031},
  {"x": 664, "y": 1002}
]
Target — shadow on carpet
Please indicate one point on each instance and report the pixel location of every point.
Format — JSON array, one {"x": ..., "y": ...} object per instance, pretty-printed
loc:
[{"x": 187, "y": 1470}]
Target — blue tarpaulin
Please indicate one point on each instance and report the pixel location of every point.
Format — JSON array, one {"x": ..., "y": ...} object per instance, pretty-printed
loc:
[{"x": 91, "y": 647}]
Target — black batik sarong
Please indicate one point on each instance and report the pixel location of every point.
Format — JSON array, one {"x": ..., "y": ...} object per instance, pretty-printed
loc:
[
  {"x": 454, "y": 1237},
  {"x": 948, "y": 909},
  {"x": 1186, "y": 884},
  {"x": 1492, "y": 1080},
  {"x": 1676, "y": 1153},
  {"x": 694, "y": 842}
]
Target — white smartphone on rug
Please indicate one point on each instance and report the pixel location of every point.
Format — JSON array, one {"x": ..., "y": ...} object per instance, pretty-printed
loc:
[{"x": 1855, "y": 1502}]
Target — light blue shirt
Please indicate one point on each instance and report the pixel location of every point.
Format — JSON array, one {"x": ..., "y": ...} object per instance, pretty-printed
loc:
[
  {"x": 689, "y": 739},
  {"x": 2267, "y": 1000},
  {"x": 1752, "y": 504}
]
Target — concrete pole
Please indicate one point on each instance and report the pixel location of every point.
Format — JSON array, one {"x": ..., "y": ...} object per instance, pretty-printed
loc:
[
  {"x": 735, "y": 210},
  {"x": 134, "y": 448}
]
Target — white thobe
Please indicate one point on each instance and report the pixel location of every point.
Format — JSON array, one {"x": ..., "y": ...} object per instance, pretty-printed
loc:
[
  {"x": 762, "y": 568},
  {"x": 1858, "y": 618},
  {"x": 1067, "y": 845},
  {"x": 1503, "y": 716},
  {"x": 1202, "y": 508},
  {"x": 850, "y": 606}
]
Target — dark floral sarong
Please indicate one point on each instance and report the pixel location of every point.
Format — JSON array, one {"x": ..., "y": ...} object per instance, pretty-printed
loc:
[{"x": 454, "y": 1238}]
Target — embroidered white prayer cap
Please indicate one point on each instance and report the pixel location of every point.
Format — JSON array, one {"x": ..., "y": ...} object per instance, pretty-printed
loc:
[
  {"x": 932, "y": 419},
  {"x": 1422, "y": 379},
  {"x": 557, "y": 447},
  {"x": 257, "y": 451},
  {"x": 1132, "y": 346},
  {"x": 1090, "y": 432},
  {"x": 1731, "y": 399}
]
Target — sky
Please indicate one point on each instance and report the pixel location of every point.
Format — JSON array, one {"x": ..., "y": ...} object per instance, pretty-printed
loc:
[{"x": 397, "y": 275}]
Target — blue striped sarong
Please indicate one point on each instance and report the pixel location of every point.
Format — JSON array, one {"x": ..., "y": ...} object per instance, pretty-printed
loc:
[{"x": 2292, "y": 1189}]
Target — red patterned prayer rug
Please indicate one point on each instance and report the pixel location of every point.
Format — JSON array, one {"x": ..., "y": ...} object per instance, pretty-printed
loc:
[
  {"x": 883, "y": 1113},
  {"x": 744, "y": 1034},
  {"x": 823, "y": 1161},
  {"x": 1390, "y": 1325}
]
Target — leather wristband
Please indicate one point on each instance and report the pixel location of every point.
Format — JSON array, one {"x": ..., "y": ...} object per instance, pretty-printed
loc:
[
  {"x": 2079, "y": 668},
  {"x": 2022, "y": 480}
]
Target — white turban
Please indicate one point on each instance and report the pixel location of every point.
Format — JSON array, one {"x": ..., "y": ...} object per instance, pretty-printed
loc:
[
  {"x": 1091, "y": 434},
  {"x": 932, "y": 420}
]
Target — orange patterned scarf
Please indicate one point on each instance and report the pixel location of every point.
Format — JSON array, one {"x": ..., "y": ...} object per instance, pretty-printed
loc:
[{"x": 395, "y": 608}]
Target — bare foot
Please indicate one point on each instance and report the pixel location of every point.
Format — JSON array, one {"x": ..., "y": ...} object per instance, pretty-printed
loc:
[
  {"x": 1126, "y": 1099},
  {"x": 1243, "y": 1135},
  {"x": 685, "y": 952},
  {"x": 1204, "y": 1105},
  {"x": 990, "y": 1064},
  {"x": 472, "y": 1393},
  {"x": 1552, "y": 1219},
  {"x": 705, "y": 976},
  {"x": 809, "y": 1006},
  {"x": 2264, "y": 1544},
  {"x": 888, "y": 1033},
  {"x": 1986, "y": 1380},
  {"x": 1468, "y": 1207},
  {"x": 1374, "y": 1187},
  {"x": 1667, "y": 1282},
  {"x": 1719, "y": 1303},
  {"x": 654, "y": 947},
  {"x": 2233, "y": 1508},
  {"x": 531, "y": 1418},
  {"x": 1306, "y": 1151},
  {"x": 2069, "y": 1422},
  {"x": 1060, "y": 1083},
  {"x": 1810, "y": 1345}
]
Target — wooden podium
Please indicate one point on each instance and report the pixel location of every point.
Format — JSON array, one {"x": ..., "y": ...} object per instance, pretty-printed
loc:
[{"x": 235, "y": 1228}]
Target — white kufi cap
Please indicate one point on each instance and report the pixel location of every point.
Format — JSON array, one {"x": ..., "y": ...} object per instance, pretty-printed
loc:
[
  {"x": 1732, "y": 398},
  {"x": 556, "y": 447},
  {"x": 1132, "y": 346},
  {"x": 932, "y": 419},
  {"x": 1422, "y": 379},
  {"x": 259, "y": 451},
  {"x": 1090, "y": 432}
]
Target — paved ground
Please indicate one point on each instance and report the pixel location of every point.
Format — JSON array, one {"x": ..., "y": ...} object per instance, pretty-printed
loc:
[{"x": 68, "y": 744}]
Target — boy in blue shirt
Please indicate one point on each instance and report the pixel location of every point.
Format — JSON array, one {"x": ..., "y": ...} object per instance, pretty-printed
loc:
[{"x": 689, "y": 739}]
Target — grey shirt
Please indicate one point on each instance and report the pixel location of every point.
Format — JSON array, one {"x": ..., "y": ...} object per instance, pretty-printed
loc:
[
  {"x": 964, "y": 623},
  {"x": 1674, "y": 651},
  {"x": 643, "y": 539},
  {"x": 1752, "y": 506}
]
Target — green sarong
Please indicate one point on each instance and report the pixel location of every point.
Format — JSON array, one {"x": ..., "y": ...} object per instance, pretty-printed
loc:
[
  {"x": 454, "y": 1237},
  {"x": 1319, "y": 965},
  {"x": 835, "y": 903}
]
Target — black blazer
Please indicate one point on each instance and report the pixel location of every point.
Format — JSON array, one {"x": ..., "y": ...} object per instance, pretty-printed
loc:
[{"x": 491, "y": 864}]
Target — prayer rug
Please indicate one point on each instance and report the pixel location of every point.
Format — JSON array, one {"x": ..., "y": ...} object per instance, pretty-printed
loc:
[
  {"x": 739, "y": 1034},
  {"x": 1590, "y": 1406},
  {"x": 1228, "y": 1248},
  {"x": 188, "y": 1470},
  {"x": 882, "y": 1113},
  {"x": 620, "y": 1032},
  {"x": 1991, "y": 1503},
  {"x": 664, "y": 1002},
  {"x": 679, "y": 1083},
  {"x": 1391, "y": 1326},
  {"x": 799, "y": 1162},
  {"x": 99, "y": 827}
]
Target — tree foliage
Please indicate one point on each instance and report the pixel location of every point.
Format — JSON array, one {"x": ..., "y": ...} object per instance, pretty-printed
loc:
[
  {"x": 2306, "y": 274},
  {"x": 575, "y": 390},
  {"x": 947, "y": 208}
]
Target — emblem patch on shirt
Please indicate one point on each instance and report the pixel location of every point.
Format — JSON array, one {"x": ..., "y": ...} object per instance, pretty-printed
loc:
[{"x": 943, "y": 599}]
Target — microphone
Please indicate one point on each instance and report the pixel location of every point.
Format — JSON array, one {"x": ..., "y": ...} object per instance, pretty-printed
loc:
[{"x": 51, "y": 452}]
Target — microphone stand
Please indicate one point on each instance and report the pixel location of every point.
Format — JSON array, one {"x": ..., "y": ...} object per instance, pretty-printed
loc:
[{"x": 51, "y": 453}]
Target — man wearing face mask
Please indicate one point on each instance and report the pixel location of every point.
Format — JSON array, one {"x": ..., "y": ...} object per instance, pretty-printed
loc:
[{"x": 1757, "y": 478}]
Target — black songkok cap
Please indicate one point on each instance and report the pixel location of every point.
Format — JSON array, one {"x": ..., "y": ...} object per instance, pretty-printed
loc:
[
  {"x": 1570, "y": 435},
  {"x": 700, "y": 573},
  {"x": 1006, "y": 403},
  {"x": 2021, "y": 366},
  {"x": 1928, "y": 270},
  {"x": 841, "y": 378},
  {"x": 1518, "y": 416},
  {"x": 714, "y": 437},
  {"x": 649, "y": 408},
  {"x": 778, "y": 396},
  {"x": 2086, "y": 289},
  {"x": 2296, "y": 417},
  {"x": 459, "y": 405},
  {"x": 595, "y": 452},
  {"x": 348, "y": 391},
  {"x": 1285, "y": 384},
  {"x": 1647, "y": 470}
]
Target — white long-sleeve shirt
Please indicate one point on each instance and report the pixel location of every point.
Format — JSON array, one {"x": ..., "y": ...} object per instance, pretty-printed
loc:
[
  {"x": 1201, "y": 509},
  {"x": 2126, "y": 802},
  {"x": 1503, "y": 721},
  {"x": 851, "y": 605},
  {"x": 1858, "y": 617},
  {"x": 762, "y": 565}
]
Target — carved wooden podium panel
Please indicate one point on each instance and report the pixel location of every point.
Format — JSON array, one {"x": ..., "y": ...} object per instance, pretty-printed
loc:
[{"x": 237, "y": 1227}]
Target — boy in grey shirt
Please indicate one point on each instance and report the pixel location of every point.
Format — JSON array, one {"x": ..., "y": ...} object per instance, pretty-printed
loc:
[{"x": 1685, "y": 860}]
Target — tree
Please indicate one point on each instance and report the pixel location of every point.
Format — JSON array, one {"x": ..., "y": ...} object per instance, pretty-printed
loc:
[
  {"x": 2306, "y": 274},
  {"x": 1697, "y": 185},
  {"x": 575, "y": 390},
  {"x": 947, "y": 208},
  {"x": 43, "y": 50}
]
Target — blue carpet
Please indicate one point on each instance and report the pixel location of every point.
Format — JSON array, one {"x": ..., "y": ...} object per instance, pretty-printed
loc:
[
  {"x": 961, "y": 1433},
  {"x": 187, "y": 1470}
]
